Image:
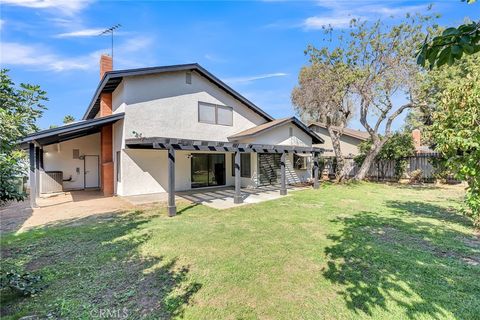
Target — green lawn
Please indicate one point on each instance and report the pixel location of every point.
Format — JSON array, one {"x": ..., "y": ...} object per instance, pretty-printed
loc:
[{"x": 341, "y": 252}]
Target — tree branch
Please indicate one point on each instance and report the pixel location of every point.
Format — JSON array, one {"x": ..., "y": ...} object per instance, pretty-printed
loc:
[{"x": 394, "y": 115}]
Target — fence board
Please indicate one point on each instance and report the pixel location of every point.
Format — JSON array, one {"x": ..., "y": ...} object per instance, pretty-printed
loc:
[{"x": 385, "y": 170}]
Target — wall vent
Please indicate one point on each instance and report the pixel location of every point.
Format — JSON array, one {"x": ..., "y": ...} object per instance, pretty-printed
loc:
[
  {"x": 76, "y": 153},
  {"x": 188, "y": 77}
]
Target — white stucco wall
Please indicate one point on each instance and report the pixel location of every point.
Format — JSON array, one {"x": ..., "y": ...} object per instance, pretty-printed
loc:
[
  {"x": 118, "y": 145},
  {"x": 145, "y": 171},
  {"x": 59, "y": 157},
  {"x": 118, "y": 99},
  {"x": 281, "y": 136},
  {"x": 165, "y": 105}
]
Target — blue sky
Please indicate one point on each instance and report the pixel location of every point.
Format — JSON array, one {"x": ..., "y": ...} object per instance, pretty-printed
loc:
[{"x": 256, "y": 47}]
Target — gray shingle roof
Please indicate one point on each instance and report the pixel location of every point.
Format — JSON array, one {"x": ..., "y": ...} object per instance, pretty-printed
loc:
[{"x": 251, "y": 132}]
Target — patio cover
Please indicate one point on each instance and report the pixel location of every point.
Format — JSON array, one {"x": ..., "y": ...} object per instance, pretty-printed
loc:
[
  {"x": 172, "y": 145},
  {"x": 34, "y": 143},
  {"x": 69, "y": 131}
]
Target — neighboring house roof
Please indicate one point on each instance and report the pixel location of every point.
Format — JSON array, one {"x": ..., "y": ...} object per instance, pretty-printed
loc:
[
  {"x": 112, "y": 79},
  {"x": 252, "y": 132},
  {"x": 361, "y": 135},
  {"x": 71, "y": 130}
]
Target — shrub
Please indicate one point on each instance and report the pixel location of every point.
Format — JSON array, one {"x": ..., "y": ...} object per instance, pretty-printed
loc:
[
  {"x": 416, "y": 176},
  {"x": 26, "y": 284}
]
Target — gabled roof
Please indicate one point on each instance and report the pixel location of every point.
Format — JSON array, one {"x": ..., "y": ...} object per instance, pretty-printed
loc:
[
  {"x": 71, "y": 130},
  {"x": 357, "y": 134},
  {"x": 112, "y": 79},
  {"x": 252, "y": 132}
]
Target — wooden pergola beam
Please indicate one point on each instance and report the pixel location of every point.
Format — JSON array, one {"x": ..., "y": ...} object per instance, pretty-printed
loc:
[{"x": 214, "y": 146}]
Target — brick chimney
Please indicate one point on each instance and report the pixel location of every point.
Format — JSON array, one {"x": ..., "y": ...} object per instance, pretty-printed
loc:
[
  {"x": 417, "y": 138},
  {"x": 106, "y": 64},
  {"x": 106, "y": 133}
]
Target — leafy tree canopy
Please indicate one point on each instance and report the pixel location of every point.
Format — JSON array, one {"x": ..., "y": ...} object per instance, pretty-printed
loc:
[
  {"x": 399, "y": 146},
  {"x": 451, "y": 45},
  {"x": 456, "y": 125},
  {"x": 20, "y": 107},
  {"x": 68, "y": 119}
]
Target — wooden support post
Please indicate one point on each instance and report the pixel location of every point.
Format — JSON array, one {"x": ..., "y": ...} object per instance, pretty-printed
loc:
[
  {"x": 42, "y": 165},
  {"x": 283, "y": 183},
  {"x": 315, "y": 170},
  {"x": 238, "y": 179},
  {"x": 37, "y": 170},
  {"x": 32, "y": 178},
  {"x": 172, "y": 209}
]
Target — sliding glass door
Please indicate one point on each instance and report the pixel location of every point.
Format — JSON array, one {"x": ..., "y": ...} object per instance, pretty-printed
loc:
[{"x": 208, "y": 170}]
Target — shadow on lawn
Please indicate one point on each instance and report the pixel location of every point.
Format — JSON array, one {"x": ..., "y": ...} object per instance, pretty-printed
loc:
[
  {"x": 96, "y": 268},
  {"x": 418, "y": 208},
  {"x": 423, "y": 268}
]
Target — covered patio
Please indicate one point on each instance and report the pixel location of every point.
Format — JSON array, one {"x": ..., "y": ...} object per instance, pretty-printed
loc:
[
  {"x": 70, "y": 157},
  {"x": 173, "y": 145}
]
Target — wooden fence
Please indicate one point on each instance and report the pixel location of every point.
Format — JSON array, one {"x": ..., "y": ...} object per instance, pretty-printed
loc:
[{"x": 384, "y": 170}]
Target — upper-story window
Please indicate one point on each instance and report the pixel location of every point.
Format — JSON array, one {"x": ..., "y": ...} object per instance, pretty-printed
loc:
[{"x": 215, "y": 114}]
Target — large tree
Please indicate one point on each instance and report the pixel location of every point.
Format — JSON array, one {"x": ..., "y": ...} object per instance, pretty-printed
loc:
[
  {"x": 20, "y": 107},
  {"x": 382, "y": 56},
  {"x": 455, "y": 129},
  {"x": 324, "y": 94}
]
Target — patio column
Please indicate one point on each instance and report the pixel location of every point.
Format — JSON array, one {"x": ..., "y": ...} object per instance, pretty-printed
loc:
[
  {"x": 238, "y": 179},
  {"x": 283, "y": 184},
  {"x": 315, "y": 170},
  {"x": 37, "y": 170},
  {"x": 172, "y": 209},
  {"x": 32, "y": 178}
]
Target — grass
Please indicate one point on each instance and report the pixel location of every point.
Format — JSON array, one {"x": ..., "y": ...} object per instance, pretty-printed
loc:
[{"x": 341, "y": 252}]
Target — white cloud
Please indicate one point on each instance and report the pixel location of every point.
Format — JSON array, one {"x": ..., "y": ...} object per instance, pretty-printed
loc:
[
  {"x": 39, "y": 57},
  {"x": 339, "y": 13},
  {"x": 68, "y": 7},
  {"x": 392, "y": 11},
  {"x": 137, "y": 43},
  {"x": 81, "y": 33},
  {"x": 254, "y": 78},
  {"x": 214, "y": 58},
  {"x": 319, "y": 22}
]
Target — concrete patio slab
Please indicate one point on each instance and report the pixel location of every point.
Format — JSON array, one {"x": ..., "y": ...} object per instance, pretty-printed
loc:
[
  {"x": 217, "y": 198},
  {"x": 60, "y": 208}
]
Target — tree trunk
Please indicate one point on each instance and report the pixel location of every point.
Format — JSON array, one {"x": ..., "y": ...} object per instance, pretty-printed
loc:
[
  {"x": 339, "y": 171},
  {"x": 369, "y": 159},
  {"x": 347, "y": 167}
]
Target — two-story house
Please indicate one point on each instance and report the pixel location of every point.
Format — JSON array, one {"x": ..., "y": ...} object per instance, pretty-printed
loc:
[{"x": 167, "y": 129}]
